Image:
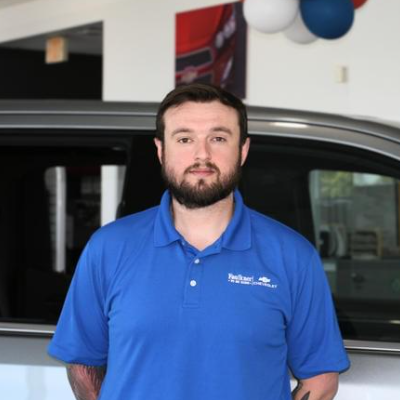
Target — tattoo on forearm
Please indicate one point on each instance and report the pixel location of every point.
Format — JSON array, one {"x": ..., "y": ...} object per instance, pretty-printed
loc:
[
  {"x": 85, "y": 380},
  {"x": 297, "y": 390},
  {"x": 306, "y": 396}
]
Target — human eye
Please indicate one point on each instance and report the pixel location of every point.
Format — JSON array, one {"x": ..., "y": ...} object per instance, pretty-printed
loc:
[
  {"x": 219, "y": 139},
  {"x": 184, "y": 140}
]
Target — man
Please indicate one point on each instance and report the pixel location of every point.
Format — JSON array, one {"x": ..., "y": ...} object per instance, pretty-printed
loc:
[{"x": 201, "y": 297}]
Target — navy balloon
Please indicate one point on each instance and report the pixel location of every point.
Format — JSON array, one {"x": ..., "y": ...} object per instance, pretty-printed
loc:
[{"x": 328, "y": 19}]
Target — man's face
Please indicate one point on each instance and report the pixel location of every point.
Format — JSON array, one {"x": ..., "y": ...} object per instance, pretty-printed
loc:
[{"x": 201, "y": 156}]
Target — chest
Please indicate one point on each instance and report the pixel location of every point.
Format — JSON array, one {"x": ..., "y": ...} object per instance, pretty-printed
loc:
[{"x": 227, "y": 298}]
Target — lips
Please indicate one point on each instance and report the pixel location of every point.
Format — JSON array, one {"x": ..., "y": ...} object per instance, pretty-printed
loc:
[{"x": 202, "y": 170}]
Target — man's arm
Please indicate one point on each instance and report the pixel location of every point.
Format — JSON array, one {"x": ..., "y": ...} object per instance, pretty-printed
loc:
[
  {"x": 85, "y": 380},
  {"x": 320, "y": 387}
]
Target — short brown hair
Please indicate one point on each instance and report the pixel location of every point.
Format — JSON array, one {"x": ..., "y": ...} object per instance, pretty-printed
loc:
[{"x": 201, "y": 93}]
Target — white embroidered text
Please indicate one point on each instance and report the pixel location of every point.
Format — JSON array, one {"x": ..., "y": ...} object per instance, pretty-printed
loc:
[{"x": 250, "y": 280}]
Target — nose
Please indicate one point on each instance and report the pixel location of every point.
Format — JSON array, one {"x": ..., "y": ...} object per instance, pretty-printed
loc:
[{"x": 203, "y": 151}]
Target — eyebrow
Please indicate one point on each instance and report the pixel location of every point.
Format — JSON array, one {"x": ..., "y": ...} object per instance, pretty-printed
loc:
[
  {"x": 181, "y": 130},
  {"x": 222, "y": 129},
  {"x": 215, "y": 129}
]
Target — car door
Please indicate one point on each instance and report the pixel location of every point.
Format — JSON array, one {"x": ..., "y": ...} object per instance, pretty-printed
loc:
[{"x": 336, "y": 181}]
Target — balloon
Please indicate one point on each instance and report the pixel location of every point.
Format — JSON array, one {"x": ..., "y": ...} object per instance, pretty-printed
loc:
[
  {"x": 270, "y": 16},
  {"x": 358, "y": 3},
  {"x": 298, "y": 32},
  {"x": 328, "y": 19}
]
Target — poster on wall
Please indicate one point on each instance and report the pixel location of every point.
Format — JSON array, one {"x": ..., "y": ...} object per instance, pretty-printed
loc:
[{"x": 211, "y": 47}]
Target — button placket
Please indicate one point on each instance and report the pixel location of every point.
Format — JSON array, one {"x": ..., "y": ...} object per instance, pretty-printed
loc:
[{"x": 193, "y": 285}]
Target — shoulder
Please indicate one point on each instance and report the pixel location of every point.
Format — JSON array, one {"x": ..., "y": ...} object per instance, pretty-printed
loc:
[
  {"x": 126, "y": 229},
  {"x": 276, "y": 231},
  {"x": 273, "y": 237},
  {"x": 114, "y": 243}
]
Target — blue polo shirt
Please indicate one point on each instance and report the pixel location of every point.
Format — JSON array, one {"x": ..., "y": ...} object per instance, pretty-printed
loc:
[{"x": 174, "y": 323}]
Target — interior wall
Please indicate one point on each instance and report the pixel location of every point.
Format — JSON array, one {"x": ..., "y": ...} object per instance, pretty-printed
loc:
[
  {"x": 139, "y": 42},
  {"x": 284, "y": 74}
]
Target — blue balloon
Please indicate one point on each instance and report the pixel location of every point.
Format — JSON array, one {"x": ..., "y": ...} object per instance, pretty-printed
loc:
[{"x": 328, "y": 19}]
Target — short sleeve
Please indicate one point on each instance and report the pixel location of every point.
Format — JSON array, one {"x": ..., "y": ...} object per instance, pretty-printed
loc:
[
  {"x": 81, "y": 335},
  {"x": 315, "y": 345}
]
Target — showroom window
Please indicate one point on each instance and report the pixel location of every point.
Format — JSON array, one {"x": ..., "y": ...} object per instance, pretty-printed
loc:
[{"x": 50, "y": 204}]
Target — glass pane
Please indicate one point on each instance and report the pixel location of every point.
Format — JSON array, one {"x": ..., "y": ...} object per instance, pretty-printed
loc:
[
  {"x": 356, "y": 217},
  {"x": 48, "y": 211}
]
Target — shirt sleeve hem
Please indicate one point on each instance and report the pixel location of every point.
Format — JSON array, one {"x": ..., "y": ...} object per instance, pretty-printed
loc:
[
  {"x": 340, "y": 367},
  {"x": 59, "y": 353}
]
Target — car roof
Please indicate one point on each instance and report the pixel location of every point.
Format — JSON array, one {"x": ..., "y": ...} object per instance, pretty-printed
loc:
[{"x": 48, "y": 114}]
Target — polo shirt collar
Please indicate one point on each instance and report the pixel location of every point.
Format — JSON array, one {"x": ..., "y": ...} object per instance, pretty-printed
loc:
[
  {"x": 164, "y": 229},
  {"x": 237, "y": 235}
]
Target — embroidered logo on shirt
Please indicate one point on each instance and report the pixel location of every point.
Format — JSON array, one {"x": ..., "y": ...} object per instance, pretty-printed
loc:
[{"x": 251, "y": 281}]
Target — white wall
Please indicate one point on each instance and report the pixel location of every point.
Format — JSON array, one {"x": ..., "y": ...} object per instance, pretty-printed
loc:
[
  {"x": 284, "y": 74},
  {"x": 139, "y": 43},
  {"x": 140, "y": 48}
]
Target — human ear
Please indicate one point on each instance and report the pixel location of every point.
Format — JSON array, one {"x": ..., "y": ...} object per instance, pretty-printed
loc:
[
  {"x": 245, "y": 150},
  {"x": 159, "y": 145}
]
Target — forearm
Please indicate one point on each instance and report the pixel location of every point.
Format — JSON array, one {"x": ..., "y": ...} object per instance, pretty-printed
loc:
[
  {"x": 85, "y": 380},
  {"x": 320, "y": 387}
]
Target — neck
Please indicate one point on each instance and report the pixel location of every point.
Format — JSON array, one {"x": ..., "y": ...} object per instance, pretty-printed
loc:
[{"x": 201, "y": 227}]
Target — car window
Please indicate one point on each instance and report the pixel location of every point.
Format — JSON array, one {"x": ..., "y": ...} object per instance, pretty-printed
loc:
[
  {"x": 356, "y": 219},
  {"x": 50, "y": 203},
  {"x": 346, "y": 202}
]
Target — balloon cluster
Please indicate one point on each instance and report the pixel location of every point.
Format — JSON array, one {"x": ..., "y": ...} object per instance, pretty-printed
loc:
[{"x": 302, "y": 21}]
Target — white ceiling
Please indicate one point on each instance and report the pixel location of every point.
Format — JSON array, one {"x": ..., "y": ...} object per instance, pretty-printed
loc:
[{"x": 6, "y": 3}]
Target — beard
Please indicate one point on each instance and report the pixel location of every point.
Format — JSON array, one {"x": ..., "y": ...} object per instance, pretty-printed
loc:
[{"x": 201, "y": 194}]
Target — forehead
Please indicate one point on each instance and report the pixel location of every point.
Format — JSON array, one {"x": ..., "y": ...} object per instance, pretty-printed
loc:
[{"x": 192, "y": 114}]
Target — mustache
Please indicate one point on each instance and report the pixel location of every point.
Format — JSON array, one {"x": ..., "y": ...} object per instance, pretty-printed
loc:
[{"x": 207, "y": 164}]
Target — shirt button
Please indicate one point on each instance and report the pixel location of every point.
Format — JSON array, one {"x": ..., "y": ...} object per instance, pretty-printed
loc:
[
  {"x": 197, "y": 261},
  {"x": 193, "y": 283}
]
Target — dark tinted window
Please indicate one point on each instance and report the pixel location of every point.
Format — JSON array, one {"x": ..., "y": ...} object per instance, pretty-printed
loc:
[
  {"x": 346, "y": 202},
  {"x": 50, "y": 204}
]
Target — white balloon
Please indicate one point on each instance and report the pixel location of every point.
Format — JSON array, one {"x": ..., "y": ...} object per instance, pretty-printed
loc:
[
  {"x": 298, "y": 31},
  {"x": 270, "y": 16}
]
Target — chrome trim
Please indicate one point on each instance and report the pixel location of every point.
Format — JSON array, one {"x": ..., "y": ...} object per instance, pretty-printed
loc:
[
  {"x": 19, "y": 329},
  {"x": 387, "y": 151},
  {"x": 364, "y": 346},
  {"x": 60, "y": 219}
]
